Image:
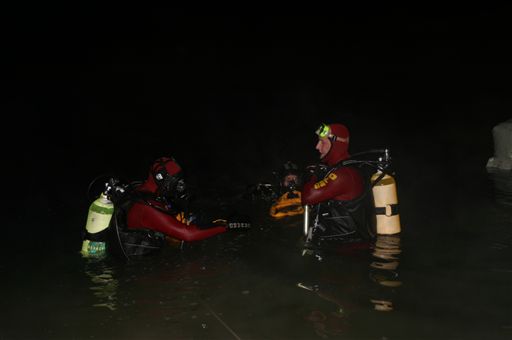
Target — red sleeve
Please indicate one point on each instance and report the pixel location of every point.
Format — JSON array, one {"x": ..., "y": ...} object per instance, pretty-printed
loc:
[
  {"x": 341, "y": 184},
  {"x": 143, "y": 216}
]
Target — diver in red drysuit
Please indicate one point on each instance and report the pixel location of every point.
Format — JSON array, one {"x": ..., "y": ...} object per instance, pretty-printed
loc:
[
  {"x": 165, "y": 204},
  {"x": 335, "y": 187},
  {"x": 343, "y": 183}
]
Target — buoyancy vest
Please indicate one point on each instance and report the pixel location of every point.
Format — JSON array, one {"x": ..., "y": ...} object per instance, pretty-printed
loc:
[
  {"x": 126, "y": 242},
  {"x": 288, "y": 204},
  {"x": 339, "y": 203},
  {"x": 340, "y": 183},
  {"x": 333, "y": 220}
]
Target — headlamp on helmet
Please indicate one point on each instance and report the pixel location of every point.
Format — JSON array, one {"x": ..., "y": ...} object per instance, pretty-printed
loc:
[{"x": 324, "y": 131}]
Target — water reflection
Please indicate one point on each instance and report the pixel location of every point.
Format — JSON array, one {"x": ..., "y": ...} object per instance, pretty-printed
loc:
[
  {"x": 384, "y": 271},
  {"x": 104, "y": 284},
  {"x": 328, "y": 322},
  {"x": 501, "y": 181},
  {"x": 326, "y": 325},
  {"x": 342, "y": 280}
]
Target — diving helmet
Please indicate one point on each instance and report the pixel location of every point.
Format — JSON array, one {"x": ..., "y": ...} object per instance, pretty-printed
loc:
[{"x": 168, "y": 177}]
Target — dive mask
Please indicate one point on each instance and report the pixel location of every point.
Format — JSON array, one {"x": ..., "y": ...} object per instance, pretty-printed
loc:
[
  {"x": 291, "y": 186},
  {"x": 172, "y": 185}
]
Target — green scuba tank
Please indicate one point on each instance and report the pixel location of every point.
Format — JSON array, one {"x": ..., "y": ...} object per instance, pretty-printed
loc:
[{"x": 98, "y": 219}]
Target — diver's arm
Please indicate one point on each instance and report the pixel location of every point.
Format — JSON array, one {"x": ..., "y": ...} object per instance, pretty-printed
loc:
[
  {"x": 313, "y": 194},
  {"x": 142, "y": 216},
  {"x": 330, "y": 187},
  {"x": 192, "y": 232}
]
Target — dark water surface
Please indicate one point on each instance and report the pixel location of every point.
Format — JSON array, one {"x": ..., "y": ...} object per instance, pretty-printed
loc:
[
  {"x": 107, "y": 91},
  {"x": 448, "y": 275}
]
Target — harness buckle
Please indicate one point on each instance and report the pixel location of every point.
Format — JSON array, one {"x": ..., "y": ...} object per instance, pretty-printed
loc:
[{"x": 389, "y": 210}]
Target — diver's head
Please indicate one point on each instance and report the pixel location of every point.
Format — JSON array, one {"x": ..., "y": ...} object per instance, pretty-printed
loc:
[
  {"x": 165, "y": 178},
  {"x": 168, "y": 176},
  {"x": 290, "y": 176},
  {"x": 332, "y": 143},
  {"x": 170, "y": 183},
  {"x": 290, "y": 182}
]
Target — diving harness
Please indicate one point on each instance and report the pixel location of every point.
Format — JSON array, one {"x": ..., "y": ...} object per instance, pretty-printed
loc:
[{"x": 385, "y": 201}]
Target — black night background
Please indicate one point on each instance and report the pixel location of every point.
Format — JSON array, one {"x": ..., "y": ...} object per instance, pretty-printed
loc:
[
  {"x": 232, "y": 93},
  {"x": 99, "y": 89}
]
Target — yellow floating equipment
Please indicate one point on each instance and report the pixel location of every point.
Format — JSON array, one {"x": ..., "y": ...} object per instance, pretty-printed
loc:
[
  {"x": 386, "y": 204},
  {"x": 98, "y": 219},
  {"x": 289, "y": 204}
]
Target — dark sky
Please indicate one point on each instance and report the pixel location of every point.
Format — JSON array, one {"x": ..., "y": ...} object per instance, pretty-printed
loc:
[{"x": 114, "y": 87}]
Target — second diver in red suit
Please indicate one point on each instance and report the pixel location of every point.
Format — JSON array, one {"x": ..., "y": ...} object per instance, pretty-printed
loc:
[
  {"x": 334, "y": 191},
  {"x": 164, "y": 204}
]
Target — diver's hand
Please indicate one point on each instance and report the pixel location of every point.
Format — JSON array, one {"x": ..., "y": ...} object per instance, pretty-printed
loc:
[
  {"x": 310, "y": 173},
  {"x": 316, "y": 170}
]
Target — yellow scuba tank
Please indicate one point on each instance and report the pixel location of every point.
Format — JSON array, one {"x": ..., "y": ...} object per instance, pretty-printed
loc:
[
  {"x": 386, "y": 204},
  {"x": 98, "y": 219}
]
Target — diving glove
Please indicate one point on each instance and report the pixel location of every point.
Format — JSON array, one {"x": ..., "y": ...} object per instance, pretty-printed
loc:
[{"x": 317, "y": 170}]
